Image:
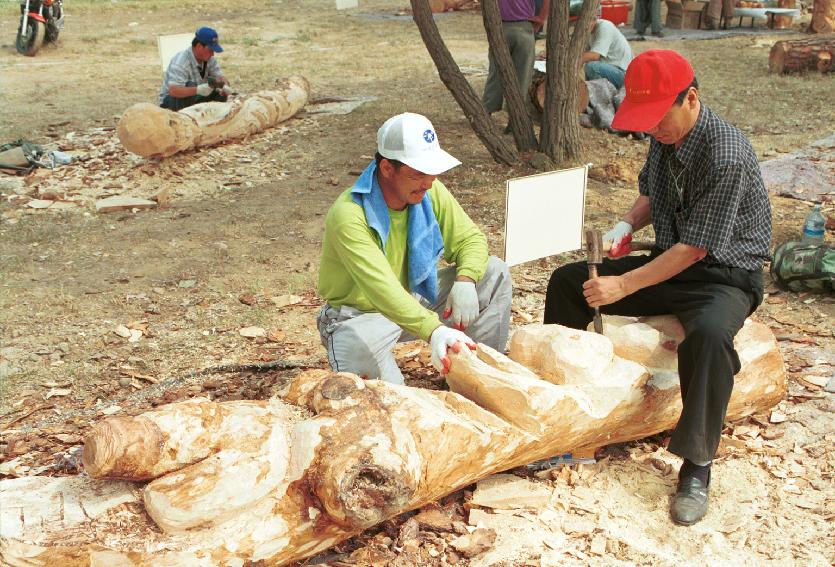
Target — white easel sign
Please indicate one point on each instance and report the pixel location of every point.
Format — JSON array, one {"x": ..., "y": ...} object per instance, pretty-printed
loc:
[{"x": 544, "y": 214}]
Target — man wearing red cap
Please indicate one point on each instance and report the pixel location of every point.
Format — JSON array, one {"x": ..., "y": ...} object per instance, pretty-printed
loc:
[
  {"x": 702, "y": 191},
  {"x": 379, "y": 269}
]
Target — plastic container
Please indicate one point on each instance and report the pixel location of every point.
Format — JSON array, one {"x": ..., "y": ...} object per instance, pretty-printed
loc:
[
  {"x": 813, "y": 227},
  {"x": 616, "y": 11}
]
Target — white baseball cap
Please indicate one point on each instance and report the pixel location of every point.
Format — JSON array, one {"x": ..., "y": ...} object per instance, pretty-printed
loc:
[{"x": 411, "y": 139}]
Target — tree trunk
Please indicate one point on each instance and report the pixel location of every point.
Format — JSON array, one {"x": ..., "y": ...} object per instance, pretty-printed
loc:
[
  {"x": 260, "y": 483},
  {"x": 520, "y": 123},
  {"x": 537, "y": 93},
  {"x": 792, "y": 56},
  {"x": 560, "y": 136},
  {"x": 458, "y": 86},
  {"x": 823, "y": 17},
  {"x": 150, "y": 131}
]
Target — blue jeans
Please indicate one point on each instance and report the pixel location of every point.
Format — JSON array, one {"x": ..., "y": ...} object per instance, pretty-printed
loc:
[{"x": 600, "y": 70}]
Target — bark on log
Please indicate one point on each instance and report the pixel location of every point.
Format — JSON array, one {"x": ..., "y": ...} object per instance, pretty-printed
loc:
[
  {"x": 823, "y": 17},
  {"x": 796, "y": 55},
  {"x": 150, "y": 131},
  {"x": 364, "y": 451}
]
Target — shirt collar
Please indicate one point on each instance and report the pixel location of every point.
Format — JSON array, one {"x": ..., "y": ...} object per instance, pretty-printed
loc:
[{"x": 686, "y": 154}]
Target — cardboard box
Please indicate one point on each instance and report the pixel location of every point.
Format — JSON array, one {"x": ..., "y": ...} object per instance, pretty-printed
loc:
[{"x": 685, "y": 15}]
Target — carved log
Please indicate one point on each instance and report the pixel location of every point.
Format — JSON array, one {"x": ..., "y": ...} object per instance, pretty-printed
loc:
[
  {"x": 150, "y": 131},
  {"x": 355, "y": 452},
  {"x": 792, "y": 56}
]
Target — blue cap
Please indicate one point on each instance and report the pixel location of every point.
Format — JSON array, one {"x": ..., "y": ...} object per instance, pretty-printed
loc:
[{"x": 208, "y": 36}]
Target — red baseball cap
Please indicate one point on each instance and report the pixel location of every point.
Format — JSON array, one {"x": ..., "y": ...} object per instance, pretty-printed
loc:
[{"x": 653, "y": 81}]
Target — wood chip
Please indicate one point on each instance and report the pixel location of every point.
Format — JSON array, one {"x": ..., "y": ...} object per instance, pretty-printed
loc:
[
  {"x": 285, "y": 300},
  {"x": 39, "y": 204},
  {"x": 57, "y": 392},
  {"x": 777, "y": 417},
  {"x": 252, "y": 332},
  {"x": 122, "y": 331},
  {"x": 815, "y": 380},
  {"x": 120, "y": 203},
  {"x": 475, "y": 543},
  {"x": 598, "y": 545}
]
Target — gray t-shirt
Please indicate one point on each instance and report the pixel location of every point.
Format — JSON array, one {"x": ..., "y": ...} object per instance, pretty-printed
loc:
[
  {"x": 184, "y": 71},
  {"x": 612, "y": 46}
]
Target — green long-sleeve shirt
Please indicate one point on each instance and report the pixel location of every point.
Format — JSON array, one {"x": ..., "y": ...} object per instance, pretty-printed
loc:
[{"x": 357, "y": 272}]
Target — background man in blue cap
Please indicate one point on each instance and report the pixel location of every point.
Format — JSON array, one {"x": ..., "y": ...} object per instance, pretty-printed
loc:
[{"x": 194, "y": 75}]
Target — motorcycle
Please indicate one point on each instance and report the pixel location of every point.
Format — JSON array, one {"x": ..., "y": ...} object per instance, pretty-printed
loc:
[{"x": 40, "y": 21}]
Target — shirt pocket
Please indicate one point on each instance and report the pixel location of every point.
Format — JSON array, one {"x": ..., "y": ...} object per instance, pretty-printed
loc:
[{"x": 680, "y": 218}]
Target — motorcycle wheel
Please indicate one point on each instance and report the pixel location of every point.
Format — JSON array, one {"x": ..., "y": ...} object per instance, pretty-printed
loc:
[{"x": 29, "y": 43}]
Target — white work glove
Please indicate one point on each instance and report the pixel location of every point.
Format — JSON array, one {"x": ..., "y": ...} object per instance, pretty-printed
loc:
[
  {"x": 620, "y": 237},
  {"x": 442, "y": 338},
  {"x": 462, "y": 304},
  {"x": 226, "y": 91},
  {"x": 204, "y": 89}
]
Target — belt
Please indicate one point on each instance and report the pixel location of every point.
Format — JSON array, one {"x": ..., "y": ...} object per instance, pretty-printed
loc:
[{"x": 513, "y": 21}]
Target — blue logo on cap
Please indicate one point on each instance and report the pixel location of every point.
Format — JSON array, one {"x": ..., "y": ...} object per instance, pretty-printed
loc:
[{"x": 429, "y": 136}]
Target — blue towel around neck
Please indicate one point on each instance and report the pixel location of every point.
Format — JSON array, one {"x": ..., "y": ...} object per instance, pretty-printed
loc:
[{"x": 424, "y": 242}]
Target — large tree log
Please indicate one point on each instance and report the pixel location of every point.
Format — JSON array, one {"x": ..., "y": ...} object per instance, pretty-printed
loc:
[
  {"x": 361, "y": 451},
  {"x": 795, "y": 55},
  {"x": 150, "y": 131}
]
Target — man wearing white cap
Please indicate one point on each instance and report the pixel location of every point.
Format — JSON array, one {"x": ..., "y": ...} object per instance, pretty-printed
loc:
[{"x": 379, "y": 268}]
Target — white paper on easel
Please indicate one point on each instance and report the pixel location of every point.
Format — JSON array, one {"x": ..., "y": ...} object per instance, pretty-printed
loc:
[
  {"x": 544, "y": 214},
  {"x": 345, "y": 4}
]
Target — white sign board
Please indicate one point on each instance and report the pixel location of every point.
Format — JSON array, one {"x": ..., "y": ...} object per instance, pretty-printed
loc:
[
  {"x": 345, "y": 4},
  {"x": 171, "y": 45},
  {"x": 544, "y": 214}
]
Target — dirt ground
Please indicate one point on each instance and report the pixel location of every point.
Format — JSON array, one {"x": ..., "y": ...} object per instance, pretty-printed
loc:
[{"x": 238, "y": 246}]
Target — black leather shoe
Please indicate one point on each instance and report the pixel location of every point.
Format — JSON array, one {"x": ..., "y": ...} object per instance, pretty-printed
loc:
[{"x": 690, "y": 502}]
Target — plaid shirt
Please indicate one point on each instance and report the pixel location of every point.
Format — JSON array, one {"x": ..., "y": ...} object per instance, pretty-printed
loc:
[
  {"x": 184, "y": 71},
  {"x": 709, "y": 194}
]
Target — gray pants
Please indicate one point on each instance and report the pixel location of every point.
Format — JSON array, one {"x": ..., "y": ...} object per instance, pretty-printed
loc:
[
  {"x": 647, "y": 13},
  {"x": 522, "y": 44},
  {"x": 362, "y": 343}
]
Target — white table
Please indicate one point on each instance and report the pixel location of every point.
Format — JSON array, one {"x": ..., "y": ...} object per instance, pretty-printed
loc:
[{"x": 764, "y": 14}]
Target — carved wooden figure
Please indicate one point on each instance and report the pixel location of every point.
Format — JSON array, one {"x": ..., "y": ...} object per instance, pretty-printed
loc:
[
  {"x": 275, "y": 481},
  {"x": 151, "y": 131}
]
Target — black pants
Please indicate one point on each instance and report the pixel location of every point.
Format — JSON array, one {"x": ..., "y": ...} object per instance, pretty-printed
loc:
[
  {"x": 711, "y": 302},
  {"x": 172, "y": 103}
]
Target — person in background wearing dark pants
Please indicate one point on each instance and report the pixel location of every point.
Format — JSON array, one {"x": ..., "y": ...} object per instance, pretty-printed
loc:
[
  {"x": 193, "y": 75},
  {"x": 702, "y": 191},
  {"x": 519, "y": 24},
  {"x": 648, "y": 13}
]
